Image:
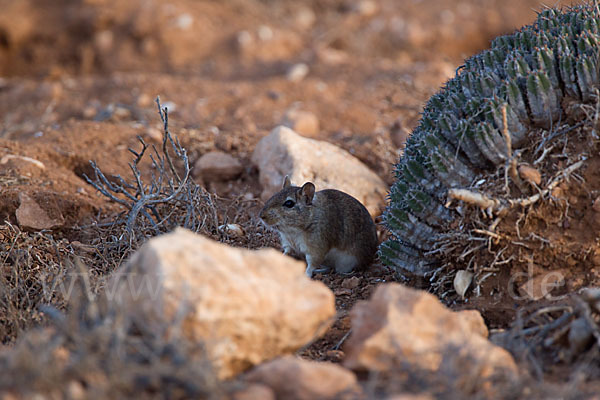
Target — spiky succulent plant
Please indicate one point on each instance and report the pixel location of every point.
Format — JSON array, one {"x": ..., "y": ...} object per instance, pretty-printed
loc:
[{"x": 460, "y": 135}]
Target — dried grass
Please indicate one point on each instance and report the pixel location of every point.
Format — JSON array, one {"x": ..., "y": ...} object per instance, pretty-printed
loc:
[{"x": 96, "y": 351}]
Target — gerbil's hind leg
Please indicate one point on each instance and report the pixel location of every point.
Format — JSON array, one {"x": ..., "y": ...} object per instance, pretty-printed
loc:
[
  {"x": 314, "y": 265},
  {"x": 323, "y": 269},
  {"x": 344, "y": 262}
]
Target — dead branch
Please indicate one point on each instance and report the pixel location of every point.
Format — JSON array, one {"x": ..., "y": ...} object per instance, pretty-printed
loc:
[
  {"x": 499, "y": 207},
  {"x": 166, "y": 185}
]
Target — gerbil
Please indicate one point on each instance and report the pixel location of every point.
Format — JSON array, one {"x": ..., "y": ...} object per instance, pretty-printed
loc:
[{"x": 329, "y": 227}]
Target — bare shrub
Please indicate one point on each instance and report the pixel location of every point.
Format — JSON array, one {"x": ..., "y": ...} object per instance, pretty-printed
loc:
[{"x": 171, "y": 199}]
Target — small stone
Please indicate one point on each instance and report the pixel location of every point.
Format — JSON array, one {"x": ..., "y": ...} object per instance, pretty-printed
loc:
[
  {"x": 530, "y": 174},
  {"x": 104, "y": 41},
  {"x": 217, "y": 166},
  {"x": 297, "y": 72},
  {"x": 154, "y": 134},
  {"x": 331, "y": 56},
  {"x": 76, "y": 390},
  {"x": 596, "y": 258},
  {"x": 573, "y": 200},
  {"x": 244, "y": 40},
  {"x": 351, "y": 283},
  {"x": 31, "y": 215},
  {"x": 89, "y": 112},
  {"x": 558, "y": 193},
  {"x": 335, "y": 355},
  {"x": 342, "y": 291},
  {"x": 265, "y": 33},
  {"x": 596, "y": 205},
  {"x": 184, "y": 21},
  {"x": 233, "y": 230},
  {"x": 303, "y": 122},
  {"x": 305, "y": 18},
  {"x": 297, "y": 379},
  {"x": 144, "y": 100},
  {"x": 169, "y": 105},
  {"x": 121, "y": 113},
  {"x": 366, "y": 8},
  {"x": 462, "y": 281}
]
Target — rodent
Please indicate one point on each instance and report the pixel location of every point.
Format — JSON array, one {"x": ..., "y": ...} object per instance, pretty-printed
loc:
[{"x": 330, "y": 228}]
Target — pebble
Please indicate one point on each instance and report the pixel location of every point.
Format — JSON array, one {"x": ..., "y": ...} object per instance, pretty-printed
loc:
[
  {"x": 297, "y": 72},
  {"x": 530, "y": 174},
  {"x": 596, "y": 205},
  {"x": 351, "y": 283},
  {"x": 217, "y": 166},
  {"x": 303, "y": 122}
]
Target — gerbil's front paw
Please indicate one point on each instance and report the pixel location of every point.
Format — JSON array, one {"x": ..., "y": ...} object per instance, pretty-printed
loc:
[{"x": 309, "y": 271}]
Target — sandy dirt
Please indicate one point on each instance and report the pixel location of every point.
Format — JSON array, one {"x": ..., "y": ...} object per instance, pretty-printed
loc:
[{"x": 78, "y": 82}]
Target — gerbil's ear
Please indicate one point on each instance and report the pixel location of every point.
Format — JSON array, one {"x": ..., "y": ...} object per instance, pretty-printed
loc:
[
  {"x": 307, "y": 192},
  {"x": 286, "y": 182}
]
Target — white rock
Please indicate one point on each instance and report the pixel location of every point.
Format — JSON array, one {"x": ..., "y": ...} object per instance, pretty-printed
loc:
[
  {"x": 104, "y": 40},
  {"x": 404, "y": 326},
  {"x": 462, "y": 281},
  {"x": 234, "y": 230},
  {"x": 297, "y": 72},
  {"x": 169, "y": 105},
  {"x": 245, "y": 306},
  {"x": 305, "y": 18},
  {"x": 184, "y": 21},
  {"x": 265, "y": 33},
  {"x": 366, "y": 8},
  {"x": 283, "y": 152},
  {"x": 297, "y": 379}
]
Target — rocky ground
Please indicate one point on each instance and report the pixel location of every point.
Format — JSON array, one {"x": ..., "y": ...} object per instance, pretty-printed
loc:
[{"x": 78, "y": 83}]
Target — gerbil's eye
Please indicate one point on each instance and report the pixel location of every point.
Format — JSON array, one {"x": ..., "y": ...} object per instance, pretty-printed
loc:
[{"x": 288, "y": 203}]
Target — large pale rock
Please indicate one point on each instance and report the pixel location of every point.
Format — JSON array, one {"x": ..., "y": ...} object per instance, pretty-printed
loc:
[
  {"x": 284, "y": 152},
  {"x": 404, "y": 326},
  {"x": 297, "y": 379},
  {"x": 245, "y": 306}
]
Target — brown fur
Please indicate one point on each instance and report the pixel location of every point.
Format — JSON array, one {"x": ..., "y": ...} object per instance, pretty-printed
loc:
[{"x": 329, "y": 227}]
